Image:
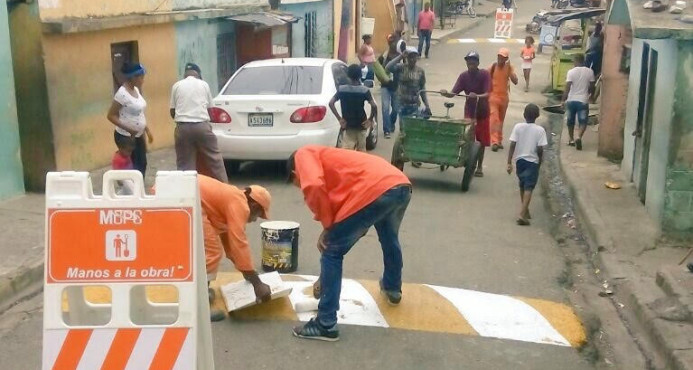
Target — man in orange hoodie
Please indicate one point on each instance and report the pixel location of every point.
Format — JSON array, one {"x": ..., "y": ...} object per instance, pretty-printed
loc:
[
  {"x": 226, "y": 210},
  {"x": 348, "y": 192}
]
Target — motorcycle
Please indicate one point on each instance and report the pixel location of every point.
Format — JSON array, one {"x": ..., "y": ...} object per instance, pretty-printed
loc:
[
  {"x": 537, "y": 21},
  {"x": 579, "y": 3},
  {"x": 560, "y": 4}
]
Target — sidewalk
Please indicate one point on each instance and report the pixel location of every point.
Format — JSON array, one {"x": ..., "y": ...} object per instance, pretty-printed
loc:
[
  {"x": 22, "y": 228},
  {"x": 643, "y": 272},
  {"x": 462, "y": 23}
]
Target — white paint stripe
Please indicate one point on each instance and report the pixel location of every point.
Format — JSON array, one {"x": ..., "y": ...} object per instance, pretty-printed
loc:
[
  {"x": 496, "y": 41},
  {"x": 186, "y": 356},
  {"x": 356, "y": 305},
  {"x": 97, "y": 348},
  {"x": 145, "y": 348},
  {"x": 466, "y": 41},
  {"x": 499, "y": 316},
  {"x": 52, "y": 343}
]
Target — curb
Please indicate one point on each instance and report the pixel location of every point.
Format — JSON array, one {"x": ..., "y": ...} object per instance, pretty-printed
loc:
[
  {"x": 658, "y": 330},
  {"x": 21, "y": 284}
]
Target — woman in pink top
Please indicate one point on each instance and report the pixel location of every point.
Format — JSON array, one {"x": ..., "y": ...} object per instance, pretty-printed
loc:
[
  {"x": 528, "y": 56},
  {"x": 366, "y": 55}
]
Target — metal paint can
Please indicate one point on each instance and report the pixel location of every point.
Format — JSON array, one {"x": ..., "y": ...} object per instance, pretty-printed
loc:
[{"x": 280, "y": 246}]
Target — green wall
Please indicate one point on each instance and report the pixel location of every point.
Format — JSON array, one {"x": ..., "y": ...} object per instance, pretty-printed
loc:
[
  {"x": 678, "y": 206},
  {"x": 35, "y": 129},
  {"x": 11, "y": 181}
]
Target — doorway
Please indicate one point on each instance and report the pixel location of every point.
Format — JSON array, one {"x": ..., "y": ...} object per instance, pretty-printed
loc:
[
  {"x": 643, "y": 130},
  {"x": 121, "y": 53}
]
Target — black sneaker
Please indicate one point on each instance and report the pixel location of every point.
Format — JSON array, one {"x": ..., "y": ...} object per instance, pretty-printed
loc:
[
  {"x": 216, "y": 314},
  {"x": 393, "y": 298},
  {"x": 313, "y": 330},
  {"x": 494, "y": 147},
  {"x": 387, "y": 135},
  {"x": 578, "y": 144},
  {"x": 690, "y": 267}
]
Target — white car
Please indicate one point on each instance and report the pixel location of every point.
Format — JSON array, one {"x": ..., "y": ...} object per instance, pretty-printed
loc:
[{"x": 270, "y": 108}]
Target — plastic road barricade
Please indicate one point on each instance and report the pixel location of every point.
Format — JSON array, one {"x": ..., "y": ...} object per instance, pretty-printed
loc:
[
  {"x": 124, "y": 274},
  {"x": 504, "y": 23}
]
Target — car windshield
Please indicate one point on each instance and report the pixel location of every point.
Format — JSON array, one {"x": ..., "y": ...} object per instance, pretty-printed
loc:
[{"x": 276, "y": 80}]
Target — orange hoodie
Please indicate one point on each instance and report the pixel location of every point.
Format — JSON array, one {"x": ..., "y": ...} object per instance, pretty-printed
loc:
[{"x": 337, "y": 183}]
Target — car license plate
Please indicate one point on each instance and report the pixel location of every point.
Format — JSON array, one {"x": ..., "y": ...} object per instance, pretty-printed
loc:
[{"x": 260, "y": 120}]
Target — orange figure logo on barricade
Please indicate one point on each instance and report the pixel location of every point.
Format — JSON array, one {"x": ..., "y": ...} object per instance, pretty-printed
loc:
[{"x": 121, "y": 245}]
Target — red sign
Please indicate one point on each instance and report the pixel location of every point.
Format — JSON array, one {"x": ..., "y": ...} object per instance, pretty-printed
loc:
[{"x": 119, "y": 245}]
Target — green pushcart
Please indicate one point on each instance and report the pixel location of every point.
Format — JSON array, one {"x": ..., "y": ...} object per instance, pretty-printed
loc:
[{"x": 440, "y": 140}]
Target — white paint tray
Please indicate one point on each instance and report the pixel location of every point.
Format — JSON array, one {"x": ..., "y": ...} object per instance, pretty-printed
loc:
[{"x": 240, "y": 294}]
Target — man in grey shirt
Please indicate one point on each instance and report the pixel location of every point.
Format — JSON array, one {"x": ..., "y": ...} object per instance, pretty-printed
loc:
[{"x": 194, "y": 139}]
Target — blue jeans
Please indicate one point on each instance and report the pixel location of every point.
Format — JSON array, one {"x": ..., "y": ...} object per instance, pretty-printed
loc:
[
  {"x": 385, "y": 213},
  {"x": 576, "y": 108},
  {"x": 389, "y": 109},
  {"x": 425, "y": 36}
]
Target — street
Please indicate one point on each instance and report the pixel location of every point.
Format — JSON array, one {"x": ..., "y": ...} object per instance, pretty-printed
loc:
[{"x": 450, "y": 239}]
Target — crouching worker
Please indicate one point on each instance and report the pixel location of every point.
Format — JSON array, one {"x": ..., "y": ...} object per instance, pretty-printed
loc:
[
  {"x": 348, "y": 192},
  {"x": 226, "y": 210}
]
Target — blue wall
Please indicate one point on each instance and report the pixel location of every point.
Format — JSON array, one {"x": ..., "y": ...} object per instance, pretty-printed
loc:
[
  {"x": 196, "y": 42},
  {"x": 12, "y": 178},
  {"x": 324, "y": 31}
]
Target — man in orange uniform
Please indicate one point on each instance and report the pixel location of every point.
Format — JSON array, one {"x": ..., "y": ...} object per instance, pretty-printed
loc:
[
  {"x": 348, "y": 192},
  {"x": 501, "y": 73},
  {"x": 225, "y": 211}
]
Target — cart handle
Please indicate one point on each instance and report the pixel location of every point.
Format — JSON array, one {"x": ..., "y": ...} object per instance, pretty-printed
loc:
[{"x": 454, "y": 96}]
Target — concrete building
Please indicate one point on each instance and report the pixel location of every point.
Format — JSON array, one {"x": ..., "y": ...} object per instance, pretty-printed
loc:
[
  {"x": 658, "y": 122},
  {"x": 67, "y": 55},
  {"x": 312, "y": 35},
  {"x": 12, "y": 180}
]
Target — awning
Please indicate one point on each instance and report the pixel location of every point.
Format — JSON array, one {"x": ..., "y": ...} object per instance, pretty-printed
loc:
[
  {"x": 265, "y": 19},
  {"x": 579, "y": 14}
]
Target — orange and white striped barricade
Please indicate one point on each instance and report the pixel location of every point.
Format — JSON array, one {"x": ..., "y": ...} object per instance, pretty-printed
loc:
[
  {"x": 504, "y": 23},
  {"x": 125, "y": 281}
]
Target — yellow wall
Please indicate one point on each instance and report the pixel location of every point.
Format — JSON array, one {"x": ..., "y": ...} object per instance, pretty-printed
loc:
[
  {"x": 55, "y": 9},
  {"x": 80, "y": 90},
  {"x": 384, "y": 14}
]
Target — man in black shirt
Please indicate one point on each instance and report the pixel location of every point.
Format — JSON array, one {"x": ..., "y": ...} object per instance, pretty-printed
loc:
[{"x": 352, "y": 97}]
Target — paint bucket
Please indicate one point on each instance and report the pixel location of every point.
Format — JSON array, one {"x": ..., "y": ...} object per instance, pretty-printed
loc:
[{"x": 280, "y": 246}]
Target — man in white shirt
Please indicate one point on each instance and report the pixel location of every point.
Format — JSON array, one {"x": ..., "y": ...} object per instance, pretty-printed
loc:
[
  {"x": 578, "y": 92},
  {"x": 190, "y": 98},
  {"x": 527, "y": 142}
]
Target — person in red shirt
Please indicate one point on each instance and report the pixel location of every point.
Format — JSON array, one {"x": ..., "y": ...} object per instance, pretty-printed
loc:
[
  {"x": 425, "y": 27},
  {"x": 348, "y": 192},
  {"x": 226, "y": 210}
]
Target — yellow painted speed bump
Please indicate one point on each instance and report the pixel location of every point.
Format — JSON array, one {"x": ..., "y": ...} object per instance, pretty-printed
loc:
[{"x": 423, "y": 308}]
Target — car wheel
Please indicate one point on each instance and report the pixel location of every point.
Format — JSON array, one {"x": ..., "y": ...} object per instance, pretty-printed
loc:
[
  {"x": 372, "y": 138},
  {"x": 232, "y": 166}
]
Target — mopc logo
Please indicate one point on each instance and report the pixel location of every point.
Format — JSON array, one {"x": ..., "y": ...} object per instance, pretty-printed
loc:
[{"x": 121, "y": 245}]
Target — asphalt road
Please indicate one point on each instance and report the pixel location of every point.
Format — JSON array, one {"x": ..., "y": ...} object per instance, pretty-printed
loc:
[{"x": 452, "y": 239}]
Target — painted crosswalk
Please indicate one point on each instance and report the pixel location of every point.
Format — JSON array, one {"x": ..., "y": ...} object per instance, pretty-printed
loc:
[
  {"x": 424, "y": 307},
  {"x": 482, "y": 41}
]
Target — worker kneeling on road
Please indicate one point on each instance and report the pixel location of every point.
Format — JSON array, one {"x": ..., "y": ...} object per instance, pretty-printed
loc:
[
  {"x": 226, "y": 210},
  {"x": 348, "y": 192}
]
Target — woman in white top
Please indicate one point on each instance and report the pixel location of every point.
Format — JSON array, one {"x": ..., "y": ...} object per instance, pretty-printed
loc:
[{"x": 127, "y": 115}]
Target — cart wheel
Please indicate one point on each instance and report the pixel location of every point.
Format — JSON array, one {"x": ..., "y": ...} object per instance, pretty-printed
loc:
[
  {"x": 470, "y": 167},
  {"x": 443, "y": 167},
  {"x": 397, "y": 159}
]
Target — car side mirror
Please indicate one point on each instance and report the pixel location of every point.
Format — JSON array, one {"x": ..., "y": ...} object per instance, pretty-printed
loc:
[{"x": 369, "y": 84}]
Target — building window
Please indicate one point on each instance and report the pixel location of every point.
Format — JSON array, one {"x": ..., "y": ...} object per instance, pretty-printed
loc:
[
  {"x": 226, "y": 58},
  {"x": 121, "y": 53},
  {"x": 311, "y": 26}
]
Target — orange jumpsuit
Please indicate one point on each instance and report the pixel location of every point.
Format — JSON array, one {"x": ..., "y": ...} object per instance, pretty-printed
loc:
[
  {"x": 224, "y": 210},
  {"x": 499, "y": 99}
]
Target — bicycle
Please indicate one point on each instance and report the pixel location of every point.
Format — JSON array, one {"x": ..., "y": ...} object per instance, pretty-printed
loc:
[{"x": 461, "y": 8}]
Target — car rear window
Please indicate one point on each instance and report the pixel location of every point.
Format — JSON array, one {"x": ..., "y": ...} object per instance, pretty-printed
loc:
[{"x": 276, "y": 80}]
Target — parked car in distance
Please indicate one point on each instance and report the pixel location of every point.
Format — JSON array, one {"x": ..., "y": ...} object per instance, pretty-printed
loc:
[{"x": 270, "y": 108}]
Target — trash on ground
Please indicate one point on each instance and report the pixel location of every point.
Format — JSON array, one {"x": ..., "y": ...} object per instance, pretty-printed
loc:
[{"x": 612, "y": 185}]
